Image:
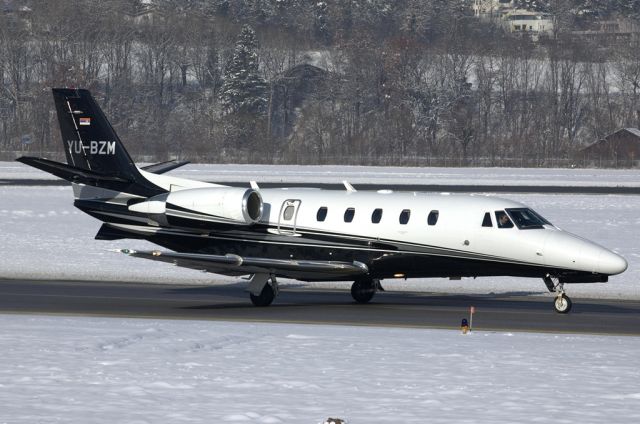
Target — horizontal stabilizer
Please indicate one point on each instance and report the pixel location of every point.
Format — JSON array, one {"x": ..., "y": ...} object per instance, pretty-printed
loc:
[
  {"x": 237, "y": 265},
  {"x": 162, "y": 167},
  {"x": 68, "y": 172}
]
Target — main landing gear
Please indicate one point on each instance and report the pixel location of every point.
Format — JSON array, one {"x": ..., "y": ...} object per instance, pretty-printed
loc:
[
  {"x": 263, "y": 289},
  {"x": 363, "y": 289},
  {"x": 562, "y": 304}
]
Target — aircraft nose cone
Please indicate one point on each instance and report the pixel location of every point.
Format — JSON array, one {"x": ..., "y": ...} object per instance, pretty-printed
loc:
[{"x": 611, "y": 263}]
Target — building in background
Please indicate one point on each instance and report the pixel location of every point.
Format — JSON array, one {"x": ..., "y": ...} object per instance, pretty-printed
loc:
[
  {"x": 492, "y": 9},
  {"x": 514, "y": 20},
  {"x": 620, "y": 29},
  {"x": 622, "y": 148},
  {"x": 529, "y": 23}
]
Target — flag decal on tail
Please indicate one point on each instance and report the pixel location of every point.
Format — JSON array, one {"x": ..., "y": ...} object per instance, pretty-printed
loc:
[{"x": 85, "y": 121}]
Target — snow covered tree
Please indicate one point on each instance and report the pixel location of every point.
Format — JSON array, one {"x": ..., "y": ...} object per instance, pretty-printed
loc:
[
  {"x": 320, "y": 24},
  {"x": 534, "y": 5},
  {"x": 596, "y": 9},
  {"x": 630, "y": 8},
  {"x": 244, "y": 90}
]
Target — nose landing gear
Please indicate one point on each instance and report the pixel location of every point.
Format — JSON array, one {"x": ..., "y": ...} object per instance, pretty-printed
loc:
[{"x": 562, "y": 303}]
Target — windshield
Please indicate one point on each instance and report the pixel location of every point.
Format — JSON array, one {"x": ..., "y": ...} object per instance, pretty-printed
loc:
[{"x": 526, "y": 218}]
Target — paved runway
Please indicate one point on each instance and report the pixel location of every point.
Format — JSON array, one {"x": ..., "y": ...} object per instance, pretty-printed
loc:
[{"x": 507, "y": 312}]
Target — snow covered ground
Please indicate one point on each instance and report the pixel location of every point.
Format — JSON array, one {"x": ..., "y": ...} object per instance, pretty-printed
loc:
[
  {"x": 380, "y": 175},
  {"x": 43, "y": 236},
  {"x": 111, "y": 370},
  {"x": 105, "y": 370}
]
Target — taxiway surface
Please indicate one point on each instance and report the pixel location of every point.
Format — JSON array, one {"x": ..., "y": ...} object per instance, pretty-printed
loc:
[{"x": 500, "y": 312}]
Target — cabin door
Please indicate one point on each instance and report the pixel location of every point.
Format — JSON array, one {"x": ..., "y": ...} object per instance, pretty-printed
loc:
[{"x": 288, "y": 217}]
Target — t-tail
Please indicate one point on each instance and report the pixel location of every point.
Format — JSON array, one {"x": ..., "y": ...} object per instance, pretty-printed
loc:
[
  {"x": 106, "y": 182},
  {"x": 95, "y": 154}
]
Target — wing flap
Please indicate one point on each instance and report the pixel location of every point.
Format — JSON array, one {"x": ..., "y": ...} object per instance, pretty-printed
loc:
[{"x": 237, "y": 265}]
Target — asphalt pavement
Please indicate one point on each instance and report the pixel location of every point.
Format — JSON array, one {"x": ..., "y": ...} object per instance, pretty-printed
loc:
[{"x": 501, "y": 312}]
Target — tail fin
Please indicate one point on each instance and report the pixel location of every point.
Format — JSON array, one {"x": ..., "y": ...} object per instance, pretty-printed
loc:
[
  {"x": 91, "y": 143},
  {"x": 89, "y": 139}
]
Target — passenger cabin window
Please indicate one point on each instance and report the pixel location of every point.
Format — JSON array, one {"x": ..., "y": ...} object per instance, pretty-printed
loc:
[
  {"x": 348, "y": 214},
  {"x": 322, "y": 214},
  {"x": 376, "y": 216},
  {"x": 288, "y": 212},
  {"x": 503, "y": 220},
  {"x": 486, "y": 222},
  {"x": 433, "y": 217},
  {"x": 527, "y": 219},
  {"x": 404, "y": 216}
]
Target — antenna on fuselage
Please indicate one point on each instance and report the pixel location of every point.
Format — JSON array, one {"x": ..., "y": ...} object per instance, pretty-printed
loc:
[{"x": 348, "y": 186}]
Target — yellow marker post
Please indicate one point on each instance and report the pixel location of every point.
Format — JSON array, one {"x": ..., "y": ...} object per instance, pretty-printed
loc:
[{"x": 464, "y": 327}]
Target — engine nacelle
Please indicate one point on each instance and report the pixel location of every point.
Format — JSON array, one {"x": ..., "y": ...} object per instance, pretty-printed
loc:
[{"x": 211, "y": 204}]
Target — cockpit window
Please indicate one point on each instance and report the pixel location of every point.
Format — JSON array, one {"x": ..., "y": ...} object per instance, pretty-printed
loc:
[
  {"x": 527, "y": 219},
  {"x": 486, "y": 221},
  {"x": 503, "y": 220}
]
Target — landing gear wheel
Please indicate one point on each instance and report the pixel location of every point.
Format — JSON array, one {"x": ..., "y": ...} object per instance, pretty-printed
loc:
[
  {"x": 362, "y": 291},
  {"x": 265, "y": 297},
  {"x": 562, "y": 304}
]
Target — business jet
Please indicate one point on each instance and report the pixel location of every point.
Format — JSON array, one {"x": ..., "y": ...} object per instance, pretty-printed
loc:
[{"x": 305, "y": 233}]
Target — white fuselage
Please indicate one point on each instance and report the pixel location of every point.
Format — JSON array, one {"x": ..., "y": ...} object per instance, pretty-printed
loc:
[
  {"x": 461, "y": 229},
  {"x": 458, "y": 227}
]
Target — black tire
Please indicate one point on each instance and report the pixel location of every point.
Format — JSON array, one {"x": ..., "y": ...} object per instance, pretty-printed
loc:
[
  {"x": 265, "y": 298},
  {"x": 362, "y": 291},
  {"x": 562, "y": 304}
]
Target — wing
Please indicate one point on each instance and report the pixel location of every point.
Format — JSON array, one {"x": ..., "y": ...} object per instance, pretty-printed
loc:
[{"x": 239, "y": 265}]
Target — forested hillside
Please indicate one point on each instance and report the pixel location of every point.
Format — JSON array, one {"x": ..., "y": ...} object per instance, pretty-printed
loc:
[{"x": 415, "y": 82}]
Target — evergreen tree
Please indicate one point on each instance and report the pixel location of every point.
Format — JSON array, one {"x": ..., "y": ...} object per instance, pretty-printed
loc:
[
  {"x": 244, "y": 90},
  {"x": 321, "y": 26}
]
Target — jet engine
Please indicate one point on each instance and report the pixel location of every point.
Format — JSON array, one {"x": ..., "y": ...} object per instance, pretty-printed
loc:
[{"x": 227, "y": 205}]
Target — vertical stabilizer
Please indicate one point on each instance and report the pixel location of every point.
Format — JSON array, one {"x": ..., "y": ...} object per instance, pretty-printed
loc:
[{"x": 90, "y": 141}]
